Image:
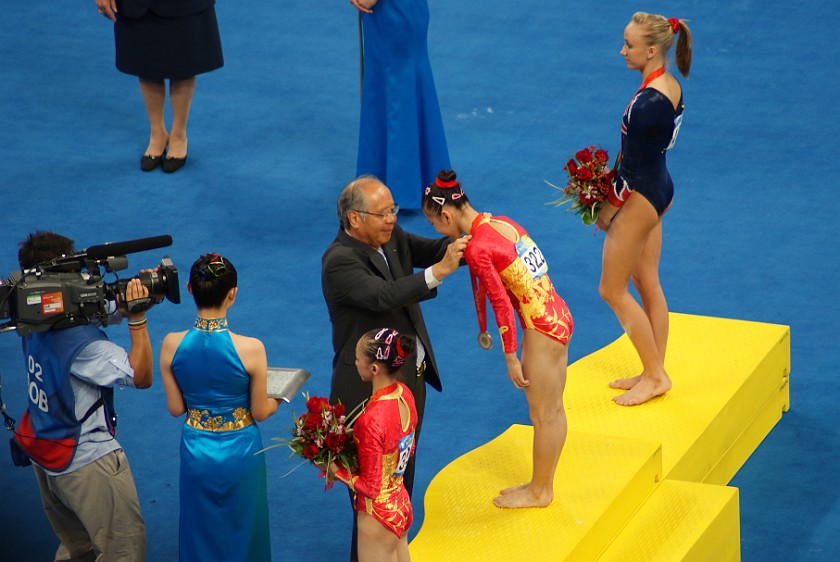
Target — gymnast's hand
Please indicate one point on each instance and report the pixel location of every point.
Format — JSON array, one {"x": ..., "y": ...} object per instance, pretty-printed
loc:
[
  {"x": 107, "y": 8},
  {"x": 365, "y": 6},
  {"x": 514, "y": 369},
  {"x": 606, "y": 215}
]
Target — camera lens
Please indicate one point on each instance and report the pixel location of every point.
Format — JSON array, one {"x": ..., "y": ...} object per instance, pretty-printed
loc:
[{"x": 151, "y": 281}]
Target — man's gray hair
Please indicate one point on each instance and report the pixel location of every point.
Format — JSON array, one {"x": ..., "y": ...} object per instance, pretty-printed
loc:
[{"x": 352, "y": 197}]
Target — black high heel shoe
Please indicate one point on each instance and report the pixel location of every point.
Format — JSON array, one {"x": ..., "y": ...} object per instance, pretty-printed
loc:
[
  {"x": 173, "y": 164},
  {"x": 149, "y": 162}
]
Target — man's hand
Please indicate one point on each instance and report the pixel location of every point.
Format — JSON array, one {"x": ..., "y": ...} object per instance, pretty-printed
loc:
[
  {"x": 140, "y": 354},
  {"x": 452, "y": 259},
  {"x": 133, "y": 291}
]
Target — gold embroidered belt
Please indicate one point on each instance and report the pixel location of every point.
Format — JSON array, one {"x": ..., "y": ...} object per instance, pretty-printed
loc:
[{"x": 204, "y": 420}]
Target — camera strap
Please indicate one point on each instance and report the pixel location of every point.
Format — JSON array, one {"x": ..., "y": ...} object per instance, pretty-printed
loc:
[{"x": 8, "y": 421}]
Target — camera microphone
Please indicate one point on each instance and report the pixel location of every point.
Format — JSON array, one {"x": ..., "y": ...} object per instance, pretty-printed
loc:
[{"x": 112, "y": 249}]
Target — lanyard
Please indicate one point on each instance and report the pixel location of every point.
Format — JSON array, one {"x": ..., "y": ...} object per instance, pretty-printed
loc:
[{"x": 651, "y": 77}]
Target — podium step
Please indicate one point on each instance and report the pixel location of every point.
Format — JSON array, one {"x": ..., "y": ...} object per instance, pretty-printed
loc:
[
  {"x": 730, "y": 388},
  {"x": 600, "y": 482},
  {"x": 681, "y": 521}
]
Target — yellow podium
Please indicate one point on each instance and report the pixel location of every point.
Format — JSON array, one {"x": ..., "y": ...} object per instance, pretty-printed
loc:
[{"x": 643, "y": 483}]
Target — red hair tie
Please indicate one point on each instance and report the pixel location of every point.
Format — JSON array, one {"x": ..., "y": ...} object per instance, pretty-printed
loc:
[
  {"x": 445, "y": 184},
  {"x": 675, "y": 24}
]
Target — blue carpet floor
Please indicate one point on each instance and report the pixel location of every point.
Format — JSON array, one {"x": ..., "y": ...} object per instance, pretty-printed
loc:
[{"x": 521, "y": 86}]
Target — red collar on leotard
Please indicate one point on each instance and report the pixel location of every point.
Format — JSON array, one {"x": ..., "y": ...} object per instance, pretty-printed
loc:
[
  {"x": 383, "y": 392},
  {"x": 652, "y": 76},
  {"x": 478, "y": 220}
]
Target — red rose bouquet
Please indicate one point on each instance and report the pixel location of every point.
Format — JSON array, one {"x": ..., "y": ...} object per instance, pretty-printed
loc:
[
  {"x": 590, "y": 179},
  {"x": 322, "y": 435}
]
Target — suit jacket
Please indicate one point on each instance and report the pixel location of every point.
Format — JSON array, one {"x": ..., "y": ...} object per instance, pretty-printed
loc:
[
  {"x": 135, "y": 9},
  {"x": 362, "y": 292}
]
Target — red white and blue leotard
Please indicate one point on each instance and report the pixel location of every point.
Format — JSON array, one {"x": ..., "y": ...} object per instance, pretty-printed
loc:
[
  {"x": 649, "y": 128},
  {"x": 512, "y": 275},
  {"x": 384, "y": 445}
]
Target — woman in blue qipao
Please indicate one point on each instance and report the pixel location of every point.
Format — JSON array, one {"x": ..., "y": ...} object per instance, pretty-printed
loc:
[
  {"x": 219, "y": 379},
  {"x": 401, "y": 138}
]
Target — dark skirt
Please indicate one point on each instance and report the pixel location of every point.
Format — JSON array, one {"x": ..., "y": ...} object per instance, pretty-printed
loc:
[{"x": 155, "y": 47}]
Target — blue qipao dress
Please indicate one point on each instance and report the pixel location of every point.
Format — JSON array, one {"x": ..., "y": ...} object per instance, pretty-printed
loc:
[
  {"x": 224, "y": 506},
  {"x": 401, "y": 137}
]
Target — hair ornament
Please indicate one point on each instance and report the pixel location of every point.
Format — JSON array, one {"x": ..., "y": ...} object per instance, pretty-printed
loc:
[
  {"x": 458, "y": 195},
  {"x": 439, "y": 200},
  {"x": 214, "y": 268},
  {"x": 384, "y": 339},
  {"x": 675, "y": 24},
  {"x": 428, "y": 190},
  {"x": 445, "y": 184}
]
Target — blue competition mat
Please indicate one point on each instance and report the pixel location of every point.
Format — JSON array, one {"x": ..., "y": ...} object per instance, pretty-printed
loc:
[{"x": 273, "y": 134}]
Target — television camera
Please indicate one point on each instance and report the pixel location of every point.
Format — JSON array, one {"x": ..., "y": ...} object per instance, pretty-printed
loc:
[{"x": 70, "y": 291}]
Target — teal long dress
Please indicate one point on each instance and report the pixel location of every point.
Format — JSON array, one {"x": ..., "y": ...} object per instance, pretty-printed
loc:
[{"x": 224, "y": 506}]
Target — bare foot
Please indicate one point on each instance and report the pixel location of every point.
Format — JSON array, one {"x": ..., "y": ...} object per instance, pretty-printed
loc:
[
  {"x": 646, "y": 389},
  {"x": 512, "y": 489},
  {"x": 523, "y": 498},
  {"x": 625, "y": 384}
]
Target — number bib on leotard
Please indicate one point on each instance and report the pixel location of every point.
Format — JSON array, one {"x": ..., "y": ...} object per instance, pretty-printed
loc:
[
  {"x": 532, "y": 257},
  {"x": 677, "y": 124},
  {"x": 405, "y": 453}
]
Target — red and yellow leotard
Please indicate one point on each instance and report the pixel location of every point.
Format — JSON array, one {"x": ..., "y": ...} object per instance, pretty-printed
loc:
[
  {"x": 513, "y": 277},
  {"x": 384, "y": 444}
]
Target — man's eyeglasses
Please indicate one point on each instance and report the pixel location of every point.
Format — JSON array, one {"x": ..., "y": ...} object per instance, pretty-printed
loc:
[{"x": 384, "y": 216}]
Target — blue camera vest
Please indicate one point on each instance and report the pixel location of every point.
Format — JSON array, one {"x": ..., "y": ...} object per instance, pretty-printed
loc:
[{"x": 49, "y": 430}]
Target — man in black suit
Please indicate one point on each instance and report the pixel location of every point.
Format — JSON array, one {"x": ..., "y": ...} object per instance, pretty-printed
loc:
[{"x": 369, "y": 281}]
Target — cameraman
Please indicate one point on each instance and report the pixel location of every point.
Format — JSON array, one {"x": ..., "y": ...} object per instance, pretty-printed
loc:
[{"x": 86, "y": 486}]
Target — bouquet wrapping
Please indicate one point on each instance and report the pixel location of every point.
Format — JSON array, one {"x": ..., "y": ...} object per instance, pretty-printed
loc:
[
  {"x": 322, "y": 435},
  {"x": 590, "y": 180}
]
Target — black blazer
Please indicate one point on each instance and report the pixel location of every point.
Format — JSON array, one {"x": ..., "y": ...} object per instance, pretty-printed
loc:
[
  {"x": 362, "y": 292},
  {"x": 134, "y": 9}
]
